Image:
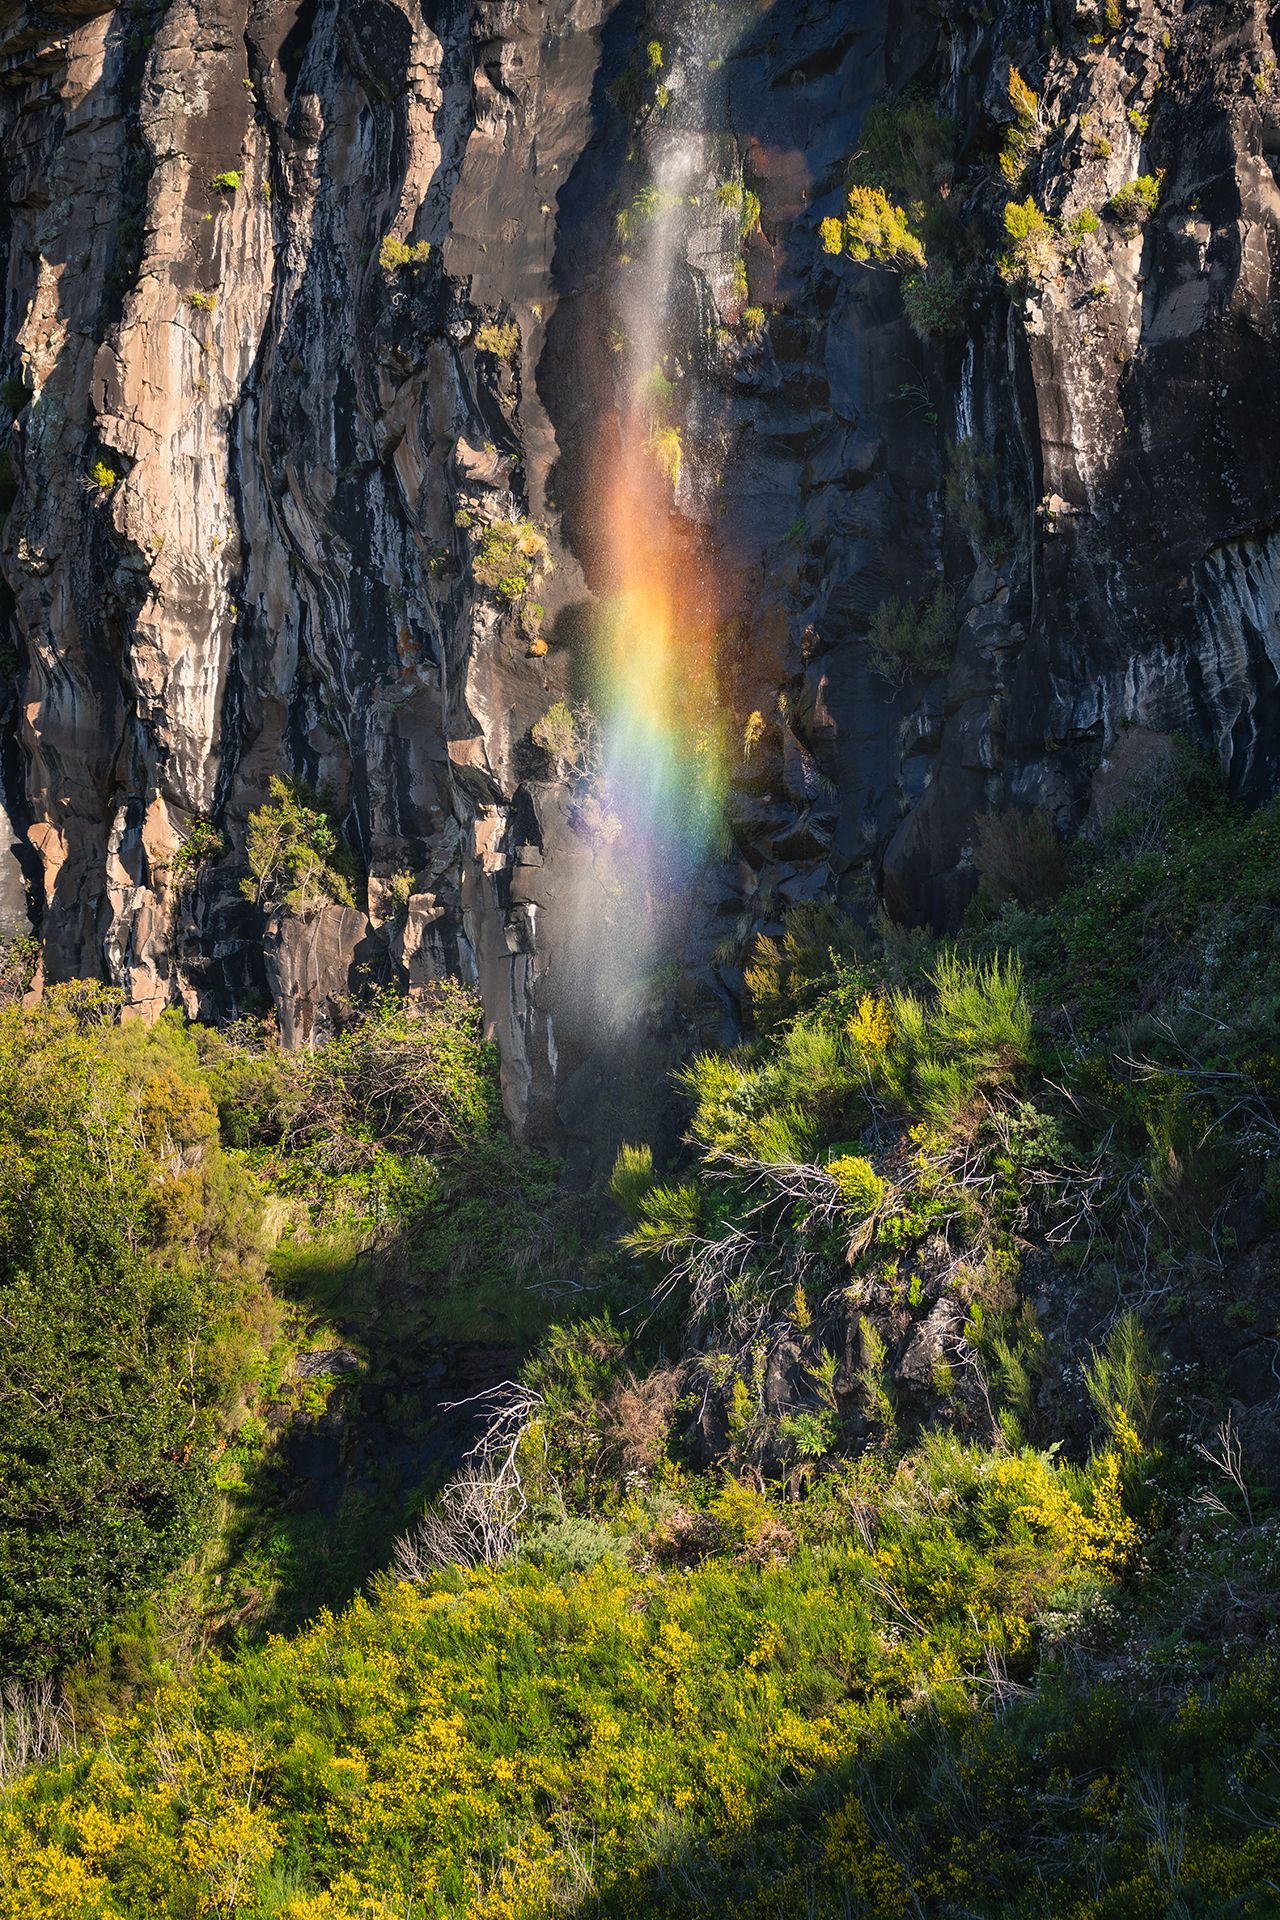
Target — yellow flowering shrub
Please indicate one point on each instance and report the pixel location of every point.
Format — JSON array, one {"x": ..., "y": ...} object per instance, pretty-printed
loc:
[
  {"x": 870, "y": 1027},
  {"x": 1095, "y": 1532},
  {"x": 631, "y": 1742}
]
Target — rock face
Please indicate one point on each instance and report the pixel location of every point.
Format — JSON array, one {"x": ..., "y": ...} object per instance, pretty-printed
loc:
[{"x": 263, "y": 400}]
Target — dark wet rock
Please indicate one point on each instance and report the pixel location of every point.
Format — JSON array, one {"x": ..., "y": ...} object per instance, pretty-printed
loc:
[{"x": 334, "y": 1360}]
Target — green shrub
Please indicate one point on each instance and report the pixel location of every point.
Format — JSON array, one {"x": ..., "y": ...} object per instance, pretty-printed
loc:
[
  {"x": 774, "y": 1107},
  {"x": 667, "y": 449},
  {"x": 657, "y": 394},
  {"x": 973, "y": 1037},
  {"x": 914, "y": 638},
  {"x": 1132, "y": 205},
  {"x": 1023, "y": 136},
  {"x": 860, "y": 1186},
  {"x": 1080, "y": 226},
  {"x": 769, "y": 1690},
  {"x": 1121, "y": 1379},
  {"x": 1032, "y": 251},
  {"x": 972, "y": 478},
  {"x": 411, "y": 1078},
  {"x": 809, "y": 1436},
  {"x": 102, "y": 477},
  {"x": 896, "y": 213},
  {"x": 512, "y": 558},
  {"x": 631, "y": 221},
  {"x": 202, "y": 302},
  {"x": 251, "y": 1081},
  {"x": 229, "y": 182},
  {"x": 790, "y": 976},
  {"x": 632, "y": 1178},
  {"x": 932, "y": 302},
  {"x": 503, "y": 341},
  {"x": 394, "y": 254},
  {"x": 19, "y": 959},
  {"x": 295, "y": 860},
  {"x": 873, "y": 229},
  {"x": 131, "y": 1301},
  {"x": 1019, "y": 857},
  {"x": 557, "y": 734},
  {"x": 401, "y": 888},
  {"x": 667, "y": 1220},
  {"x": 203, "y": 844},
  {"x": 908, "y": 148}
]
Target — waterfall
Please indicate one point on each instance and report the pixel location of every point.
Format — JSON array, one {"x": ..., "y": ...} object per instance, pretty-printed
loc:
[
  {"x": 657, "y": 796},
  {"x": 964, "y": 396}
]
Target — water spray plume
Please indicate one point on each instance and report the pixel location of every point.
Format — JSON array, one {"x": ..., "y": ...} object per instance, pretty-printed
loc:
[{"x": 663, "y": 730}]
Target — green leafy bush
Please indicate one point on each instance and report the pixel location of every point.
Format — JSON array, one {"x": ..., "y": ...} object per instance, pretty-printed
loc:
[
  {"x": 393, "y": 254},
  {"x": 774, "y": 1105},
  {"x": 131, "y": 1300},
  {"x": 296, "y": 862},
  {"x": 914, "y": 638},
  {"x": 512, "y": 558},
  {"x": 908, "y": 148},
  {"x": 763, "y": 1670},
  {"x": 1019, "y": 857},
  {"x": 667, "y": 1219},
  {"x": 407, "y": 1077},
  {"x": 859, "y": 1185},
  {"x": 632, "y": 1178},
  {"x": 1080, "y": 226},
  {"x": 932, "y": 301},
  {"x": 1132, "y": 205},
  {"x": 557, "y": 734},
  {"x": 972, "y": 1036},
  {"x": 203, "y": 844},
  {"x": 873, "y": 229},
  {"x": 896, "y": 213},
  {"x": 1032, "y": 252},
  {"x": 791, "y": 975},
  {"x": 503, "y": 341}
]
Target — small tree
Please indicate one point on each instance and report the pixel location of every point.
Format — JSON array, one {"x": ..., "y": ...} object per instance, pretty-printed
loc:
[{"x": 295, "y": 859}]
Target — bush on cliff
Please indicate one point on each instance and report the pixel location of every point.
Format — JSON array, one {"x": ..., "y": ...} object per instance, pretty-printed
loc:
[{"x": 296, "y": 861}]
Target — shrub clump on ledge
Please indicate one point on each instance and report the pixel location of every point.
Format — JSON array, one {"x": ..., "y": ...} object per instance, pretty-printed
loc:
[
  {"x": 296, "y": 862},
  {"x": 501, "y": 340},
  {"x": 1132, "y": 205},
  {"x": 513, "y": 556},
  {"x": 913, "y": 639},
  {"x": 394, "y": 254}
]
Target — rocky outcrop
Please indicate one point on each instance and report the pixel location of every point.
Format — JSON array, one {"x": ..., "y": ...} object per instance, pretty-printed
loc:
[{"x": 258, "y": 264}]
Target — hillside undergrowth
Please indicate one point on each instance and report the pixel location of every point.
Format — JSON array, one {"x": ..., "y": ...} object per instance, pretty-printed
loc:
[{"x": 877, "y": 1518}]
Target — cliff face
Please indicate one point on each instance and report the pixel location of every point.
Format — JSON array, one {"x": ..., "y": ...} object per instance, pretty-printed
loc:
[{"x": 254, "y": 451}]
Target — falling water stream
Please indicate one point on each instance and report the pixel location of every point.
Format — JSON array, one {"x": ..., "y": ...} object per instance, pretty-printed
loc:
[{"x": 662, "y": 748}]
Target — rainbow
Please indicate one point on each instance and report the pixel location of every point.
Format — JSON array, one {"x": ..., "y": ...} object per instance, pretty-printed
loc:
[{"x": 664, "y": 760}]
